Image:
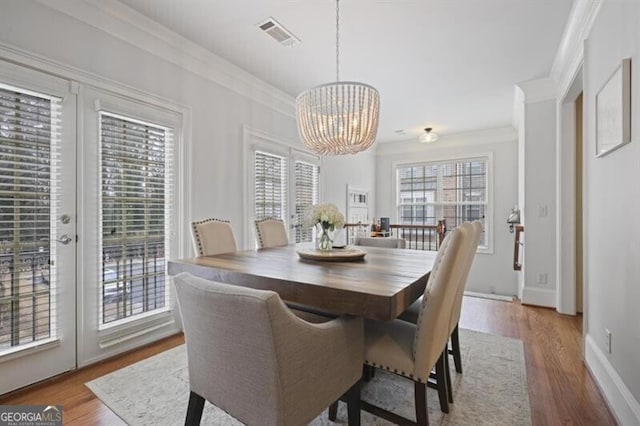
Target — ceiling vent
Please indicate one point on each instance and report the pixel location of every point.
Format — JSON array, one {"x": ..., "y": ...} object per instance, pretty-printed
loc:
[{"x": 278, "y": 32}]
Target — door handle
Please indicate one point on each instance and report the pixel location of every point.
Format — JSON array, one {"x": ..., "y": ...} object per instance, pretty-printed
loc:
[{"x": 65, "y": 239}]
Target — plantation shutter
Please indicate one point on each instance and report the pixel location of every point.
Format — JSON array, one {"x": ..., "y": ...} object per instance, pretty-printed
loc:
[
  {"x": 306, "y": 194},
  {"x": 30, "y": 139},
  {"x": 270, "y": 186},
  {"x": 136, "y": 192}
]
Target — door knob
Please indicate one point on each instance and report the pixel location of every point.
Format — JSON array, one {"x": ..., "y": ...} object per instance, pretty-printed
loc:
[{"x": 65, "y": 239}]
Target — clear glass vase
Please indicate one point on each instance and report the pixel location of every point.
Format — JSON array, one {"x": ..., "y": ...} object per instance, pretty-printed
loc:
[{"x": 324, "y": 238}]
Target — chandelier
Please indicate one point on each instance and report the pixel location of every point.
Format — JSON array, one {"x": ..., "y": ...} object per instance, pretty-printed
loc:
[{"x": 338, "y": 118}]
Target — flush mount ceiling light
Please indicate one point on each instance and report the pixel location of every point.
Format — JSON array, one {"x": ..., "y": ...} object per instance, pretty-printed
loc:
[
  {"x": 428, "y": 136},
  {"x": 338, "y": 118}
]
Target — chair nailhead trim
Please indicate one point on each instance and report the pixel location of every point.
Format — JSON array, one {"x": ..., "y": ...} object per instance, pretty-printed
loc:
[
  {"x": 194, "y": 227},
  {"x": 395, "y": 371}
]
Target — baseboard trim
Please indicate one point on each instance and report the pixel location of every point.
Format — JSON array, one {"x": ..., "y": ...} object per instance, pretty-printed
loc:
[
  {"x": 539, "y": 297},
  {"x": 623, "y": 405},
  {"x": 491, "y": 296}
]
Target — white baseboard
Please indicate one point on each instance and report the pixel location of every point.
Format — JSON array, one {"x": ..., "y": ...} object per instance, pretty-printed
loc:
[
  {"x": 539, "y": 297},
  {"x": 622, "y": 403},
  {"x": 489, "y": 296}
]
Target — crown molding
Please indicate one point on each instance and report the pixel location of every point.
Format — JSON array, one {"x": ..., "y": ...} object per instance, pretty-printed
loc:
[
  {"x": 539, "y": 90},
  {"x": 124, "y": 23},
  {"x": 570, "y": 54},
  {"x": 471, "y": 138}
]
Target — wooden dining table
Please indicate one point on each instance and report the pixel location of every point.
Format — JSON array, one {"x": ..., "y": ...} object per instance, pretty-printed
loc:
[{"x": 381, "y": 285}]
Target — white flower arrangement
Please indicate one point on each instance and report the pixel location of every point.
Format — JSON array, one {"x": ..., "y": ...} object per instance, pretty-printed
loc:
[{"x": 326, "y": 214}]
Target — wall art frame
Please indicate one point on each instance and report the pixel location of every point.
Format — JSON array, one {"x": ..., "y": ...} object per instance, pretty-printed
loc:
[{"x": 613, "y": 111}]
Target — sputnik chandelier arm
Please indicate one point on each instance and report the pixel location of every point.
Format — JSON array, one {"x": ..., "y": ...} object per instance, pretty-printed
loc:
[{"x": 338, "y": 118}]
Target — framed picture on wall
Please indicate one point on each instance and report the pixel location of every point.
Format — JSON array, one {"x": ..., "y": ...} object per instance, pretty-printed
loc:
[{"x": 613, "y": 111}]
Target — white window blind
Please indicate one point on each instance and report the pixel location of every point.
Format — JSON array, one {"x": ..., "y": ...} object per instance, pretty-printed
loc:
[
  {"x": 270, "y": 191},
  {"x": 306, "y": 194},
  {"x": 30, "y": 140},
  {"x": 136, "y": 189},
  {"x": 455, "y": 191}
]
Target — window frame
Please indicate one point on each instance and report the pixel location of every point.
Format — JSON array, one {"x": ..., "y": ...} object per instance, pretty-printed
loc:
[{"x": 488, "y": 248}]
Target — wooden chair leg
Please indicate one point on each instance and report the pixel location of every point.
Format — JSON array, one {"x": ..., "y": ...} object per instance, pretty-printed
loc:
[
  {"x": 447, "y": 373},
  {"x": 194, "y": 412},
  {"x": 455, "y": 346},
  {"x": 353, "y": 404},
  {"x": 442, "y": 383},
  {"x": 420, "y": 396},
  {"x": 367, "y": 372},
  {"x": 333, "y": 411}
]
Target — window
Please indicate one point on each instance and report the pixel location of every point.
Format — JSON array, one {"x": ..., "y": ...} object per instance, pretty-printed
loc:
[
  {"x": 306, "y": 194},
  {"x": 135, "y": 161},
  {"x": 270, "y": 186},
  {"x": 29, "y": 141},
  {"x": 453, "y": 190},
  {"x": 281, "y": 183}
]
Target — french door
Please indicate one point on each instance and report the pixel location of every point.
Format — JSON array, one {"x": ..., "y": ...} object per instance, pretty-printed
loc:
[
  {"x": 86, "y": 224},
  {"x": 37, "y": 227}
]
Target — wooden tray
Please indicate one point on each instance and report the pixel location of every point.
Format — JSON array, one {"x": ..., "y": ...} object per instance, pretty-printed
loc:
[{"x": 347, "y": 254}]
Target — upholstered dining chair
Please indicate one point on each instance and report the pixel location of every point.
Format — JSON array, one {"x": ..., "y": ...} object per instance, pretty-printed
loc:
[
  {"x": 215, "y": 236},
  {"x": 412, "y": 351},
  {"x": 381, "y": 242},
  {"x": 212, "y": 236},
  {"x": 271, "y": 232},
  {"x": 412, "y": 313},
  {"x": 251, "y": 357}
]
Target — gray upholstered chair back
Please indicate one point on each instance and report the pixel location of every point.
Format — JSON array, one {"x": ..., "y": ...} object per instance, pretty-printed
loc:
[
  {"x": 212, "y": 236},
  {"x": 271, "y": 233},
  {"x": 250, "y": 356},
  {"x": 432, "y": 333},
  {"x": 470, "y": 247}
]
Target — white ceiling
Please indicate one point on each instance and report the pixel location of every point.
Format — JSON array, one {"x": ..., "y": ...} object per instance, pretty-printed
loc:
[{"x": 447, "y": 64}]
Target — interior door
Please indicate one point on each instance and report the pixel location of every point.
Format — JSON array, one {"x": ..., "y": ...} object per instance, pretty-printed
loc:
[{"x": 37, "y": 226}]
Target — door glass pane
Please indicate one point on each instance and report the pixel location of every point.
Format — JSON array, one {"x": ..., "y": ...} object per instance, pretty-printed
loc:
[
  {"x": 270, "y": 186},
  {"x": 29, "y": 140},
  {"x": 136, "y": 169}
]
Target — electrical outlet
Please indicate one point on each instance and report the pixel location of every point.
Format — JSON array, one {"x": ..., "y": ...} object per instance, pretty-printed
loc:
[
  {"x": 542, "y": 278},
  {"x": 541, "y": 210},
  {"x": 607, "y": 340}
]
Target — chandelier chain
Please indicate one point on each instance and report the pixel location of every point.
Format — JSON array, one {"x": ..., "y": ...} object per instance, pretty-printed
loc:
[{"x": 337, "y": 40}]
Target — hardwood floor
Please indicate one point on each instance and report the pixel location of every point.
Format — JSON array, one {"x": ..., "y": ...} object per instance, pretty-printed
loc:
[{"x": 561, "y": 391}]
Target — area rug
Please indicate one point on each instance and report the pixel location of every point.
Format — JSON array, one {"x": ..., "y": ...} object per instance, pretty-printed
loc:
[{"x": 492, "y": 390}]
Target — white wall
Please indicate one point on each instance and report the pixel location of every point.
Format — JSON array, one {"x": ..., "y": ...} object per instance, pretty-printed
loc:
[
  {"x": 357, "y": 170},
  {"x": 612, "y": 206},
  {"x": 538, "y": 202},
  {"x": 218, "y": 113},
  {"x": 491, "y": 272}
]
